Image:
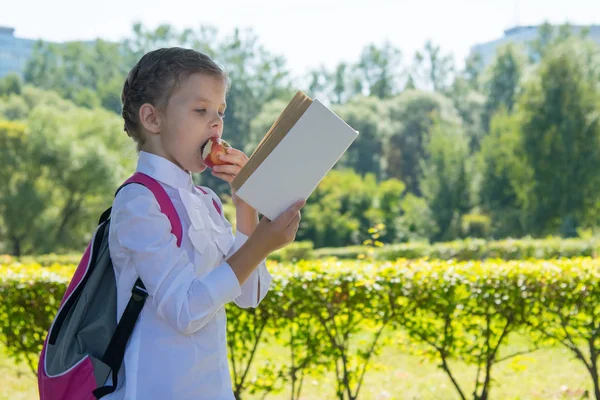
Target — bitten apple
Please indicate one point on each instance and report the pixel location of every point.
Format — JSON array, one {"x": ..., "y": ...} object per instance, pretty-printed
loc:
[{"x": 211, "y": 151}]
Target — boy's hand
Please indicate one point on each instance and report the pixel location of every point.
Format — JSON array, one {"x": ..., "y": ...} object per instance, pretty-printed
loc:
[
  {"x": 236, "y": 159},
  {"x": 280, "y": 232},
  {"x": 246, "y": 215},
  {"x": 267, "y": 237}
]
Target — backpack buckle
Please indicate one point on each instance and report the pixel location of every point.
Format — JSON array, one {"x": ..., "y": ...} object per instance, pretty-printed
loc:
[{"x": 138, "y": 293}]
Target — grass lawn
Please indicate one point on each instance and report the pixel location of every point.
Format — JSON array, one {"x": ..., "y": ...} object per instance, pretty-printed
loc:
[
  {"x": 17, "y": 381},
  {"x": 547, "y": 374}
]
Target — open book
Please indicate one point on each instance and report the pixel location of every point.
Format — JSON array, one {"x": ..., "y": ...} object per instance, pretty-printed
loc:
[{"x": 301, "y": 147}]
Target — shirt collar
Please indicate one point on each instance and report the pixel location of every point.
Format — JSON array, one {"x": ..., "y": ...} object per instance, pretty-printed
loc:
[{"x": 165, "y": 171}]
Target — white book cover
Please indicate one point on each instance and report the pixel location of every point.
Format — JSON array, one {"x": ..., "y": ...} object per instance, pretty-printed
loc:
[{"x": 294, "y": 168}]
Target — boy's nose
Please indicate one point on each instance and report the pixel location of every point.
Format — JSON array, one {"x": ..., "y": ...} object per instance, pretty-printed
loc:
[
  {"x": 217, "y": 119},
  {"x": 216, "y": 127},
  {"x": 217, "y": 122}
]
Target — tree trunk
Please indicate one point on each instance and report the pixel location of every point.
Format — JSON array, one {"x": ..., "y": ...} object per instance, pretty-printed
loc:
[
  {"x": 594, "y": 373},
  {"x": 68, "y": 213},
  {"x": 16, "y": 246}
]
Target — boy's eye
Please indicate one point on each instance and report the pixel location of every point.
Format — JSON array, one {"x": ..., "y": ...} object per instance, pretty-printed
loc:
[{"x": 203, "y": 110}]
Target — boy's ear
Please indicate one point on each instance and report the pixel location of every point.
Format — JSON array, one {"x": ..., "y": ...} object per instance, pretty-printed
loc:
[{"x": 150, "y": 118}]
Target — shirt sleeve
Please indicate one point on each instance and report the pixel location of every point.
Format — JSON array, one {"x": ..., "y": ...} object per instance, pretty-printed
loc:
[
  {"x": 143, "y": 232},
  {"x": 255, "y": 288}
]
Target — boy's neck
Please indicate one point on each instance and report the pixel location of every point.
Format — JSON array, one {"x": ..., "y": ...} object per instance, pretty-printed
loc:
[{"x": 163, "y": 154}]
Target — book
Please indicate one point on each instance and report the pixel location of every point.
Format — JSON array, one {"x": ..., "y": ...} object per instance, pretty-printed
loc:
[{"x": 301, "y": 147}]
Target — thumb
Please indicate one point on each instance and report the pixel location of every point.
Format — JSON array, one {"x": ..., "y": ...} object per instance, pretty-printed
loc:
[{"x": 289, "y": 214}]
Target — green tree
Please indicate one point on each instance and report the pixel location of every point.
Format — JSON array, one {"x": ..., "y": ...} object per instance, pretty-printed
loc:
[
  {"x": 473, "y": 70},
  {"x": 35, "y": 97},
  {"x": 412, "y": 115},
  {"x": 342, "y": 90},
  {"x": 470, "y": 105},
  {"x": 389, "y": 196},
  {"x": 319, "y": 83},
  {"x": 367, "y": 154},
  {"x": 60, "y": 170},
  {"x": 502, "y": 86},
  {"x": 561, "y": 137},
  {"x": 79, "y": 71},
  {"x": 21, "y": 201},
  {"x": 10, "y": 84},
  {"x": 538, "y": 46},
  {"x": 469, "y": 99},
  {"x": 377, "y": 73},
  {"x": 75, "y": 154},
  {"x": 432, "y": 68},
  {"x": 13, "y": 108},
  {"x": 416, "y": 221},
  {"x": 379, "y": 69},
  {"x": 505, "y": 176},
  {"x": 548, "y": 36},
  {"x": 446, "y": 178},
  {"x": 337, "y": 86},
  {"x": 339, "y": 208}
]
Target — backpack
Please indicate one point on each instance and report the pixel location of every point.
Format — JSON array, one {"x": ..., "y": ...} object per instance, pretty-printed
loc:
[{"x": 85, "y": 344}]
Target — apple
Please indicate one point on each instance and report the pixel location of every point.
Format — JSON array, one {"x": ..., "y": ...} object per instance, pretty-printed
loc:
[{"x": 211, "y": 151}]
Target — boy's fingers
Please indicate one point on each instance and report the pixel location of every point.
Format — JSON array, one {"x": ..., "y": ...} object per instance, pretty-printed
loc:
[
  {"x": 230, "y": 169},
  {"x": 265, "y": 220},
  {"x": 233, "y": 150},
  {"x": 296, "y": 219},
  {"x": 226, "y": 177},
  {"x": 234, "y": 158},
  {"x": 288, "y": 215},
  {"x": 294, "y": 223}
]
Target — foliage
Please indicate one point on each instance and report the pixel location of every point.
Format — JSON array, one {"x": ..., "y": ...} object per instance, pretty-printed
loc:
[
  {"x": 332, "y": 316},
  {"x": 473, "y": 249},
  {"x": 515, "y": 141},
  {"x": 561, "y": 138},
  {"x": 446, "y": 178}
]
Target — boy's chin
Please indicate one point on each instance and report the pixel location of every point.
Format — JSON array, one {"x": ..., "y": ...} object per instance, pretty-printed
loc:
[
  {"x": 196, "y": 167},
  {"x": 199, "y": 169}
]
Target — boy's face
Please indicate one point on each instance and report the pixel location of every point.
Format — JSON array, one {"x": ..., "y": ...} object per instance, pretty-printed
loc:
[{"x": 193, "y": 114}]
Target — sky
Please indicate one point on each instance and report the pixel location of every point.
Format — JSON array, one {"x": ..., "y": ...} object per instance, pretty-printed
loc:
[{"x": 308, "y": 33}]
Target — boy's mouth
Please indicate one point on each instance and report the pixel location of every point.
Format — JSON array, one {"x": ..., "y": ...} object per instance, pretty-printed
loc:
[{"x": 206, "y": 148}]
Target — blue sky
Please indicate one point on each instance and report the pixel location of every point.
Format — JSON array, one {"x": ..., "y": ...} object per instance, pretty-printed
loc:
[{"x": 308, "y": 33}]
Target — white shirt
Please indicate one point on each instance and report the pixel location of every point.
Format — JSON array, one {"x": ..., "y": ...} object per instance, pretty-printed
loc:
[{"x": 178, "y": 349}]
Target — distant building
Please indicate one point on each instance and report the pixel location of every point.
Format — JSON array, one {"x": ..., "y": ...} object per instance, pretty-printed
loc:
[
  {"x": 14, "y": 52},
  {"x": 523, "y": 35}
]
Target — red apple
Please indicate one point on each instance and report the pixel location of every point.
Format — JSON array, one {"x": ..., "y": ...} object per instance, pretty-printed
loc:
[{"x": 212, "y": 150}]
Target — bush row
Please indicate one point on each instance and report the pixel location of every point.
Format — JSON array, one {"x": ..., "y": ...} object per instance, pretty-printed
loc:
[
  {"x": 472, "y": 249},
  {"x": 334, "y": 316},
  {"x": 460, "y": 250}
]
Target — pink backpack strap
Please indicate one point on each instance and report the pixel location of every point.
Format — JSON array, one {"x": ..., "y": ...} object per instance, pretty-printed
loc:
[
  {"x": 166, "y": 206},
  {"x": 214, "y": 201}
]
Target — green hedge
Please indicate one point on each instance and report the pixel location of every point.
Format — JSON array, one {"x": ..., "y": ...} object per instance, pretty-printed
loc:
[
  {"x": 460, "y": 250},
  {"x": 46, "y": 260},
  {"x": 294, "y": 252},
  {"x": 473, "y": 249},
  {"x": 447, "y": 310}
]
